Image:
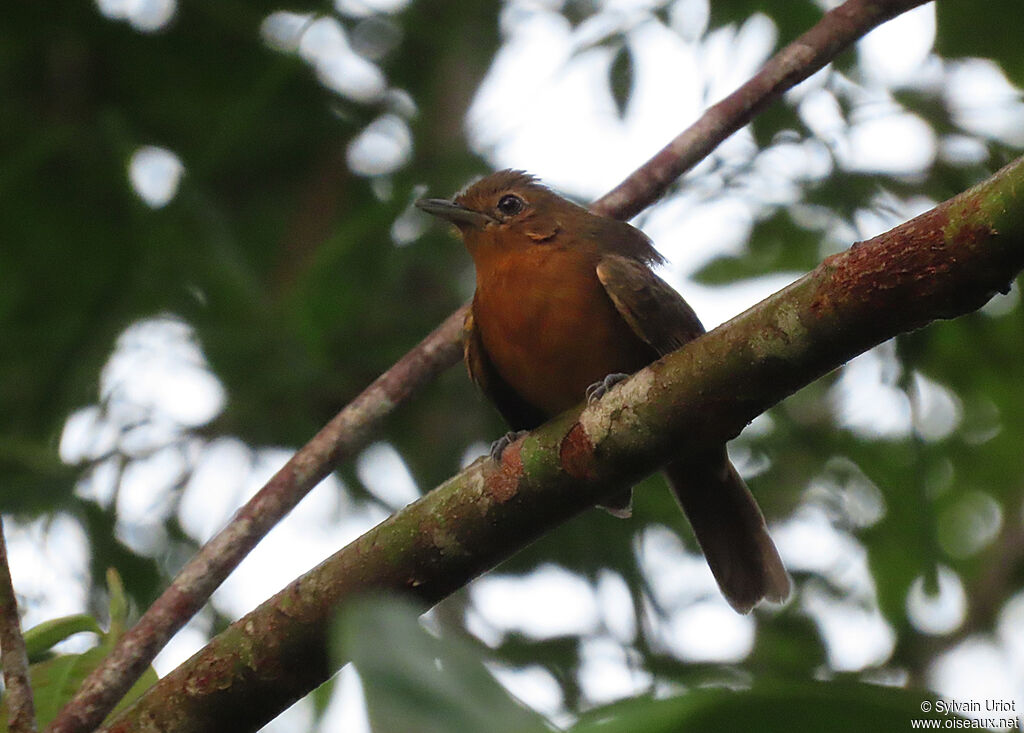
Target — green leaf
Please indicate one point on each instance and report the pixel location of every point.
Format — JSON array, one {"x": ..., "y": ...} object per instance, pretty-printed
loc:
[
  {"x": 839, "y": 707},
  {"x": 414, "y": 681},
  {"x": 43, "y": 637},
  {"x": 118, "y": 607},
  {"x": 56, "y": 680}
]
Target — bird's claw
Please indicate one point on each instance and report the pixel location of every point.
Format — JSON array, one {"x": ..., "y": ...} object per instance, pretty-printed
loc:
[
  {"x": 498, "y": 447},
  {"x": 599, "y": 389}
]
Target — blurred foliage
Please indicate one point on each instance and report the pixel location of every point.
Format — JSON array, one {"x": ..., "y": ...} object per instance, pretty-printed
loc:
[
  {"x": 287, "y": 266},
  {"x": 433, "y": 685},
  {"x": 442, "y": 684},
  {"x": 967, "y": 30},
  {"x": 776, "y": 706},
  {"x": 272, "y": 250},
  {"x": 792, "y": 18}
]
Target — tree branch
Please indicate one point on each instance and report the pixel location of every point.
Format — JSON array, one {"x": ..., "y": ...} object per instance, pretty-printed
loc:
[
  {"x": 340, "y": 439},
  {"x": 944, "y": 263},
  {"x": 21, "y": 714},
  {"x": 810, "y": 52},
  {"x": 351, "y": 428}
]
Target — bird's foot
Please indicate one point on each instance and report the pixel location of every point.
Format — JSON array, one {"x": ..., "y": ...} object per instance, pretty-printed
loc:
[
  {"x": 498, "y": 447},
  {"x": 599, "y": 389}
]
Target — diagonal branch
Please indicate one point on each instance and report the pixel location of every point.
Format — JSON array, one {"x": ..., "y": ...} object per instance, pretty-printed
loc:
[
  {"x": 944, "y": 263},
  {"x": 807, "y": 54},
  {"x": 350, "y": 430},
  {"x": 339, "y": 439},
  {"x": 21, "y": 715}
]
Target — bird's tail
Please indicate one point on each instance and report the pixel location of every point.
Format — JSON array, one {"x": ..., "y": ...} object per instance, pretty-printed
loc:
[{"x": 730, "y": 529}]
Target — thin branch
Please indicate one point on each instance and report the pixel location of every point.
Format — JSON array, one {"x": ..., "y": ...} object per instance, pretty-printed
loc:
[
  {"x": 944, "y": 263},
  {"x": 21, "y": 714},
  {"x": 349, "y": 430},
  {"x": 441, "y": 349},
  {"x": 797, "y": 61}
]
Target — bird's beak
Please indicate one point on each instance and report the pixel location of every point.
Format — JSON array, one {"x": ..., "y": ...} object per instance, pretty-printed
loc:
[{"x": 458, "y": 215}]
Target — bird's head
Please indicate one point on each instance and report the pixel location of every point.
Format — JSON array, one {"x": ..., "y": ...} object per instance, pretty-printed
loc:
[
  {"x": 511, "y": 211},
  {"x": 508, "y": 208}
]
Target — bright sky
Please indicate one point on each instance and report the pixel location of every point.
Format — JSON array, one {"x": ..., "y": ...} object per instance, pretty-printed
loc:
[{"x": 158, "y": 372}]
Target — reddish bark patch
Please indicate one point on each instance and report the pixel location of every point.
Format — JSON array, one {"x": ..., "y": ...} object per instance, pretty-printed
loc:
[
  {"x": 503, "y": 484},
  {"x": 576, "y": 453},
  {"x": 903, "y": 266}
]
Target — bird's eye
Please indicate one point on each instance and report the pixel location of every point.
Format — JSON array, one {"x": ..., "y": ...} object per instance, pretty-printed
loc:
[{"x": 510, "y": 204}]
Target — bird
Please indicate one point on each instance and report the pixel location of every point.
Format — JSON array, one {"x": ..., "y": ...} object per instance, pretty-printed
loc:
[{"x": 567, "y": 304}]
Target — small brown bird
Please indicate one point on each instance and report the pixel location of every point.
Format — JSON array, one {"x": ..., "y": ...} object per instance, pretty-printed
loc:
[{"x": 566, "y": 302}]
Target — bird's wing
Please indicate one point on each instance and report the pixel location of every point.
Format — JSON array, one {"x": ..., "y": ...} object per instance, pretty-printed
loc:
[
  {"x": 651, "y": 307},
  {"x": 518, "y": 413}
]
